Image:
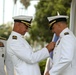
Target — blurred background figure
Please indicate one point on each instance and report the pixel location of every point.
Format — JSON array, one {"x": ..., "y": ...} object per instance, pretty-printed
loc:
[{"x": 6, "y": 66}]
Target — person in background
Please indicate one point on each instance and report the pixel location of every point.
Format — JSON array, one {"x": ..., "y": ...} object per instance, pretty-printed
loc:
[
  {"x": 24, "y": 59},
  {"x": 64, "y": 53},
  {"x": 6, "y": 65}
]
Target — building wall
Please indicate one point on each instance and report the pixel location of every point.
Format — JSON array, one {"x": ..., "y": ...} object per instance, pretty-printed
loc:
[{"x": 73, "y": 16}]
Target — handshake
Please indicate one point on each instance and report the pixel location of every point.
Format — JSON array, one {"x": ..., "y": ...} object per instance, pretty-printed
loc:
[{"x": 50, "y": 46}]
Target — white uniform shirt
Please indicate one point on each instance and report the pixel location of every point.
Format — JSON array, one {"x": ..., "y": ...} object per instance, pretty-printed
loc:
[
  {"x": 64, "y": 55},
  {"x": 24, "y": 59}
]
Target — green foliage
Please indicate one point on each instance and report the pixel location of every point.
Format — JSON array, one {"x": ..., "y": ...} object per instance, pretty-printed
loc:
[
  {"x": 40, "y": 29},
  {"x": 5, "y": 30},
  {"x": 26, "y": 3},
  {"x": 42, "y": 66}
]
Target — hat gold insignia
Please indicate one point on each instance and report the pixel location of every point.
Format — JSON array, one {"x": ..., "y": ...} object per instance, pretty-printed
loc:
[
  {"x": 52, "y": 23},
  {"x": 28, "y": 24}
]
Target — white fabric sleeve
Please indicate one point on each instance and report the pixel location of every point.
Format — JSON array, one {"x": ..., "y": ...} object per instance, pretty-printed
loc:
[{"x": 26, "y": 54}]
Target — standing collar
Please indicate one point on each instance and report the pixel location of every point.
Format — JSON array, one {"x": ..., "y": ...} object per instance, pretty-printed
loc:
[{"x": 65, "y": 30}]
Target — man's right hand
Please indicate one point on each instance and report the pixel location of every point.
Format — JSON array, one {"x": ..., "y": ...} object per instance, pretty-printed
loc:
[{"x": 50, "y": 46}]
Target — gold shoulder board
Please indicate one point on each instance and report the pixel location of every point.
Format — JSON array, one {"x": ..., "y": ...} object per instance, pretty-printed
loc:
[
  {"x": 14, "y": 37},
  {"x": 66, "y": 33},
  {"x": 2, "y": 38}
]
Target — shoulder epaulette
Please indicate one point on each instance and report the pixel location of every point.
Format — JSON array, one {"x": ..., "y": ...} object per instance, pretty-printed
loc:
[
  {"x": 14, "y": 37},
  {"x": 66, "y": 33},
  {"x": 2, "y": 38}
]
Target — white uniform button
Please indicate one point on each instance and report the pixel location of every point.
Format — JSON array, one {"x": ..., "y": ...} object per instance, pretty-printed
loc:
[{"x": 2, "y": 55}]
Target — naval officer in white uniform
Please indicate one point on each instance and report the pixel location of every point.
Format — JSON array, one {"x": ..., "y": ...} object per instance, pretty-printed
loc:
[
  {"x": 5, "y": 59},
  {"x": 64, "y": 54},
  {"x": 24, "y": 59}
]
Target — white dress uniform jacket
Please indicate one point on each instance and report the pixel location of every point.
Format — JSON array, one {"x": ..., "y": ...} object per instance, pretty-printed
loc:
[
  {"x": 64, "y": 55},
  {"x": 24, "y": 59},
  {"x": 5, "y": 60}
]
